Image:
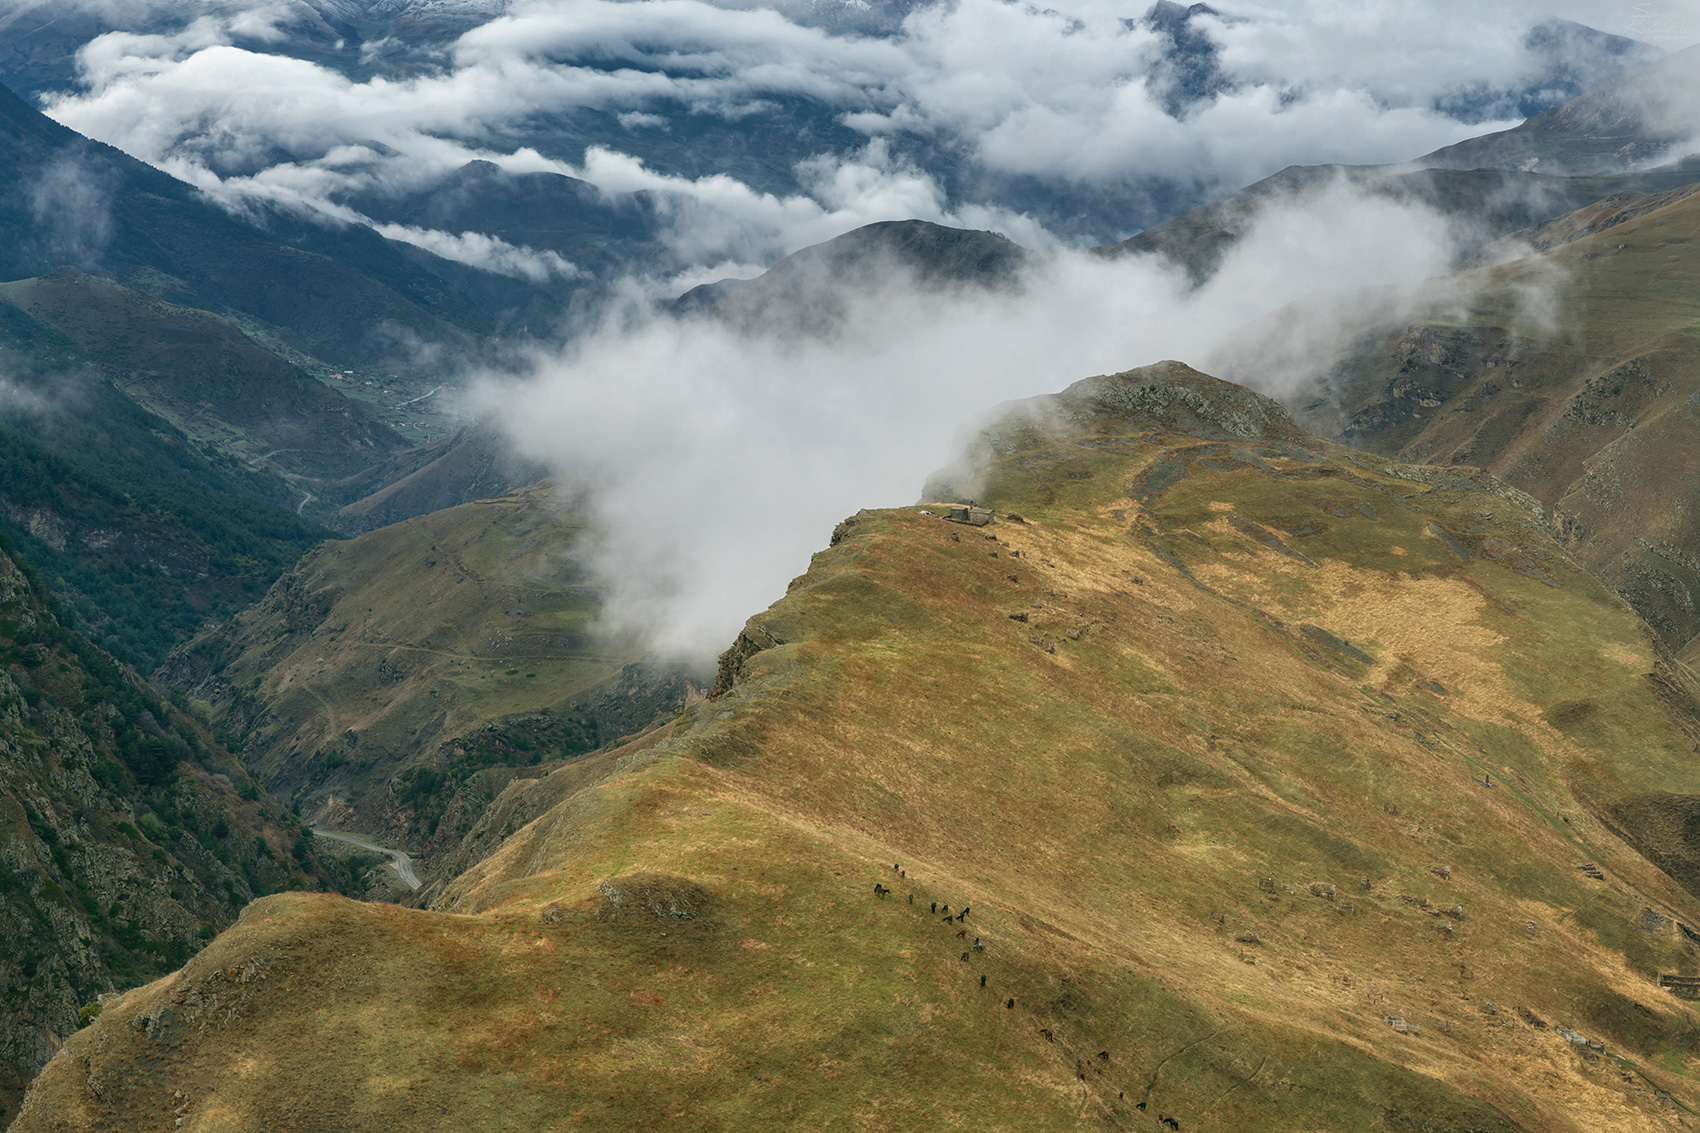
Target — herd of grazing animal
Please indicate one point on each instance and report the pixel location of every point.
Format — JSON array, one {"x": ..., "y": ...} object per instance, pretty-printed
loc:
[{"x": 936, "y": 909}]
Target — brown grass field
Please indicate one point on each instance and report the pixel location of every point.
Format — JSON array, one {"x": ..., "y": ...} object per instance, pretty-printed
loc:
[{"x": 1247, "y": 667}]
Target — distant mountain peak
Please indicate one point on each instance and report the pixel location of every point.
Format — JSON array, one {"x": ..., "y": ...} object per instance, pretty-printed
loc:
[
  {"x": 1636, "y": 118},
  {"x": 1190, "y": 71}
]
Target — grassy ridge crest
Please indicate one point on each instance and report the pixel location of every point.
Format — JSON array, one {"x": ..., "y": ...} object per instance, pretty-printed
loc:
[{"x": 1261, "y": 769}]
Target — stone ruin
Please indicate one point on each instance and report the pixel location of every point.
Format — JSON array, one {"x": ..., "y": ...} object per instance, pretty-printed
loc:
[
  {"x": 1403, "y": 1026},
  {"x": 1589, "y": 1048},
  {"x": 969, "y": 514},
  {"x": 1589, "y": 869}
]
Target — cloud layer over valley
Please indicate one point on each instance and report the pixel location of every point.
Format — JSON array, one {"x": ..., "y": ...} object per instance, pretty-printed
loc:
[
  {"x": 759, "y": 134},
  {"x": 714, "y": 459}
]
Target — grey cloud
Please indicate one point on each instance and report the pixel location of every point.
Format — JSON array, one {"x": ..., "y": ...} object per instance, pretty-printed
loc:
[{"x": 72, "y": 207}]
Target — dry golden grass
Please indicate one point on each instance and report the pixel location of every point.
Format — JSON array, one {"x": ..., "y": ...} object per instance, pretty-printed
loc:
[{"x": 1106, "y": 784}]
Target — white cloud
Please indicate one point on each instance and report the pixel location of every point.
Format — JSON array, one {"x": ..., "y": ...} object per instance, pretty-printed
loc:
[
  {"x": 487, "y": 252},
  {"x": 21, "y": 401},
  {"x": 713, "y": 462},
  {"x": 1064, "y": 94}
]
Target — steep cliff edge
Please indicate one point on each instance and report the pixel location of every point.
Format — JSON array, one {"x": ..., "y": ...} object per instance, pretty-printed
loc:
[{"x": 127, "y": 837}]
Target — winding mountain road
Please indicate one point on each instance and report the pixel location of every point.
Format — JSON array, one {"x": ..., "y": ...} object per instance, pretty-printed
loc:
[{"x": 399, "y": 861}]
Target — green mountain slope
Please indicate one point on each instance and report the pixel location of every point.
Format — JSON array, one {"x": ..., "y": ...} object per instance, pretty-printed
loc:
[
  {"x": 1628, "y": 122},
  {"x": 143, "y": 533},
  {"x": 1485, "y": 204},
  {"x": 127, "y": 837},
  {"x": 345, "y": 295},
  {"x": 808, "y": 289},
  {"x": 1261, "y": 768},
  {"x": 472, "y": 464},
  {"x": 1573, "y": 375},
  {"x": 203, "y": 375},
  {"x": 385, "y": 672}
]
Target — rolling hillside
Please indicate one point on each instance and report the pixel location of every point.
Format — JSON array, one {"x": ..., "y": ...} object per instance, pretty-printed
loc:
[
  {"x": 1572, "y": 374},
  {"x": 1260, "y": 773},
  {"x": 384, "y": 673}
]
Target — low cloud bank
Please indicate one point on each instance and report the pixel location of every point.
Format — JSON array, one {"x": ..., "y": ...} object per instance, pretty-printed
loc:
[
  {"x": 713, "y": 462},
  {"x": 975, "y": 112}
]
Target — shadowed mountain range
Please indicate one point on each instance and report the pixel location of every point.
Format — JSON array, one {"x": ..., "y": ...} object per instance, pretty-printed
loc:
[{"x": 345, "y": 295}]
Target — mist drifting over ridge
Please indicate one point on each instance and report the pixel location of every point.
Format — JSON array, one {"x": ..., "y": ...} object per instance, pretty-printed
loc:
[{"x": 715, "y": 458}]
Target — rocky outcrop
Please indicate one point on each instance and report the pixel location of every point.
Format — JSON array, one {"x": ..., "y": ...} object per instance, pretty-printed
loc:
[{"x": 127, "y": 837}]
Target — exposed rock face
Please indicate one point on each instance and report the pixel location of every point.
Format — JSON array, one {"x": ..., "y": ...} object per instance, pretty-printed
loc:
[
  {"x": 127, "y": 837},
  {"x": 1172, "y": 395}
]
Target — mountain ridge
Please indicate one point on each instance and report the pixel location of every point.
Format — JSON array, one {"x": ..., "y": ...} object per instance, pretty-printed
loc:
[
  {"x": 1272, "y": 753},
  {"x": 68, "y": 201}
]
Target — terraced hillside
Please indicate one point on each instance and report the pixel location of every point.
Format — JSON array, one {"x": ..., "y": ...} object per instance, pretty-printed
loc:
[
  {"x": 1255, "y": 773},
  {"x": 1573, "y": 374},
  {"x": 386, "y": 671}
]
